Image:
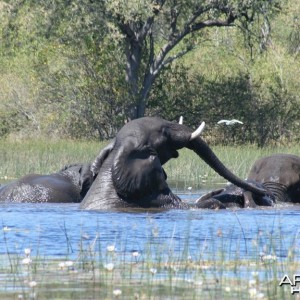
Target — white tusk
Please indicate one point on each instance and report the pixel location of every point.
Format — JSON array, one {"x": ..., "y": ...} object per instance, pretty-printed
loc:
[
  {"x": 197, "y": 132},
  {"x": 180, "y": 120}
]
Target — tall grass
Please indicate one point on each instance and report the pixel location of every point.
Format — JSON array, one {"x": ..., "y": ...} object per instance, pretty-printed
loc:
[
  {"x": 18, "y": 158},
  {"x": 191, "y": 170},
  {"x": 159, "y": 272}
]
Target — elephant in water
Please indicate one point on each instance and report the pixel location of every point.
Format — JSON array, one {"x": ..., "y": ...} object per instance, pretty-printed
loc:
[
  {"x": 130, "y": 172},
  {"x": 279, "y": 173},
  {"x": 68, "y": 185}
]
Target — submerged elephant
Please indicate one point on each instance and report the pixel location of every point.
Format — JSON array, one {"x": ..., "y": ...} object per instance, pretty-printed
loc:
[
  {"x": 234, "y": 196},
  {"x": 68, "y": 185},
  {"x": 279, "y": 173},
  {"x": 130, "y": 172}
]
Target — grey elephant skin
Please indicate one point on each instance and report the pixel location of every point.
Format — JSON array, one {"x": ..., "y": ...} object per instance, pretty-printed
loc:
[
  {"x": 68, "y": 185},
  {"x": 130, "y": 172},
  {"x": 279, "y": 173}
]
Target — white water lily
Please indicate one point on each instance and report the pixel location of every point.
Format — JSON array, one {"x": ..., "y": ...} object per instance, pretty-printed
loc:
[
  {"x": 252, "y": 292},
  {"x": 69, "y": 263},
  {"x": 32, "y": 284},
  {"x": 27, "y": 251},
  {"x": 117, "y": 292},
  {"x": 66, "y": 264},
  {"x": 252, "y": 282},
  {"x": 111, "y": 248},
  {"x": 26, "y": 261},
  {"x": 153, "y": 271},
  {"x": 135, "y": 254},
  {"x": 5, "y": 228},
  {"x": 109, "y": 266}
]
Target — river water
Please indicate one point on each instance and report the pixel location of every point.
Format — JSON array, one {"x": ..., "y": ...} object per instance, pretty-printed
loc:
[{"x": 62, "y": 230}]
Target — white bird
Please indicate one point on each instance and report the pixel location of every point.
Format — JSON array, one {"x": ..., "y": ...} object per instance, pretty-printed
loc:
[{"x": 230, "y": 122}]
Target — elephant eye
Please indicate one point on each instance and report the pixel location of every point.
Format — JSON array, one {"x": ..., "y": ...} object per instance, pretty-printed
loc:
[
  {"x": 144, "y": 153},
  {"x": 165, "y": 132}
]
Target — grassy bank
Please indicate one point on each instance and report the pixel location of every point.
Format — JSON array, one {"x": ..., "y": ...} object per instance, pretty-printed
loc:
[{"x": 19, "y": 158}]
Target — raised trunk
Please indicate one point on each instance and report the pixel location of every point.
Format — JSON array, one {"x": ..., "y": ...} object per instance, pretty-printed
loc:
[
  {"x": 102, "y": 194},
  {"x": 203, "y": 150}
]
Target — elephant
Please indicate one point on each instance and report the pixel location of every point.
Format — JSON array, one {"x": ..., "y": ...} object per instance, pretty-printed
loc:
[
  {"x": 279, "y": 173},
  {"x": 234, "y": 196},
  {"x": 129, "y": 169},
  {"x": 68, "y": 185}
]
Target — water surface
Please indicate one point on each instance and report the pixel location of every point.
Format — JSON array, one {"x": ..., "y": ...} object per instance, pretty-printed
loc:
[{"x": 61, "y": 230}]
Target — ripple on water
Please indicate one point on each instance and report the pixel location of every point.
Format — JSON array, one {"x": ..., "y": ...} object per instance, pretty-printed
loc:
[{"x": 60, "y": 229}]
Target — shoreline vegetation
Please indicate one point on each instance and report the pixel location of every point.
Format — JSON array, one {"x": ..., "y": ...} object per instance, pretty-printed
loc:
[{"x": 22, "y": 157}]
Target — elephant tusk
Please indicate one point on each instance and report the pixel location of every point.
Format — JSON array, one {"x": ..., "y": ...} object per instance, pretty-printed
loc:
[
  {"x": 197, "y": 132},
  {"x": 180, "y": 120}
]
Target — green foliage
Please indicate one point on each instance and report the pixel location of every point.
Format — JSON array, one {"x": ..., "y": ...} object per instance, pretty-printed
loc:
[
  {"x": 41, "y": 156},
  {"x": 65, "y": 67},
  {"x": 270, "y": 113},
  {"x": 156, "y": 33}
]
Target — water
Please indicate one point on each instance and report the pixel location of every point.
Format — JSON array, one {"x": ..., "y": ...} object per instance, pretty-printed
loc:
[{"x": 63, "y": 230}]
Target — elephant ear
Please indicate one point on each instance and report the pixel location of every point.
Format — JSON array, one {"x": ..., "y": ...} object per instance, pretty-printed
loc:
[
  {"x": 210, "y": 195},
  {"x": 101, "y": 157},
  {"x": 137, "y": 172},
  {"x": 86, "y": 179}
]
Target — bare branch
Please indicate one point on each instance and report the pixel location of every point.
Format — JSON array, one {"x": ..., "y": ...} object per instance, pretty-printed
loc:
[
  {"x": 216, "y": 23},
  {"x": 174, "y": 57}
]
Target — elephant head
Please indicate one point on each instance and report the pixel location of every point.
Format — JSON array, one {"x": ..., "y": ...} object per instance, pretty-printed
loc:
[
  {"x": 80, "y": 175},
  {"x": 130, "y": 171},
  {"x": 279, "y": 173},
  {"x": 68, "y": 185},
  {"x": 234, "y": 196}
]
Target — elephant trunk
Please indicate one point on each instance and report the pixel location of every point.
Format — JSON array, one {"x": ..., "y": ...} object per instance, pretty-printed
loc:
[
  {"x": 201, "y": 148},
  {"x": 278, "y": 190}
]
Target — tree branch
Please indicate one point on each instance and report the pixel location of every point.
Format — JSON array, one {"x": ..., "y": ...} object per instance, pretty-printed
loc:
[
  {"x": 211, "y": 23},
  {"x": 189, "y": 28},
  {"x": 174, "y": 57}
]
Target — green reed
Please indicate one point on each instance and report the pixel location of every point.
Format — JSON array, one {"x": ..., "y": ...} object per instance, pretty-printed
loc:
[
  {"x": 21, "y": 157},
  {"x": 190, "y": 170},
  {"x": 156, "y": 273}
]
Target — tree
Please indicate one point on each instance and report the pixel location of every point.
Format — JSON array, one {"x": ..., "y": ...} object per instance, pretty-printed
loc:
[{"x": 158, "y": 32}]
